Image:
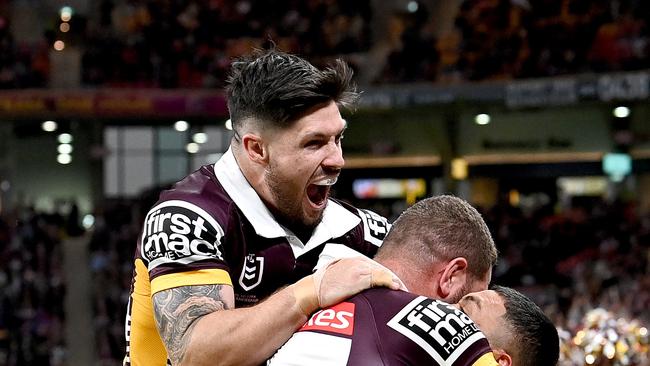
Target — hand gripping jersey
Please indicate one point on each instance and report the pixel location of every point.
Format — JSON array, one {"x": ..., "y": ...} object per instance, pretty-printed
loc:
[
  {"x": 385, "y": 327},
  {"x": 212, "y": 228}
]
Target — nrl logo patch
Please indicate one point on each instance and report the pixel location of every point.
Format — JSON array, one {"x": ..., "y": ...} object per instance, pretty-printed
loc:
[{"x": 251, "y": 274}]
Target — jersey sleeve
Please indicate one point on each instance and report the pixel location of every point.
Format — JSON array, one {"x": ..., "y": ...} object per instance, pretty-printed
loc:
[{"x": 180, "y": 245}]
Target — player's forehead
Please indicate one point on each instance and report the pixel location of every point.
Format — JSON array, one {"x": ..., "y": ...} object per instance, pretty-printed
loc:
[{"x": 322, "y": 120}]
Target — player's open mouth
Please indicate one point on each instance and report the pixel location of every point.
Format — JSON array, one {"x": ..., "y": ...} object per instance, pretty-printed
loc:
[{"x": 318, "y": 191}]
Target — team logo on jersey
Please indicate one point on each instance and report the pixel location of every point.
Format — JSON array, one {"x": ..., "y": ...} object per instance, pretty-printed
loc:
[
  {"x": 251, "y": 274},
  {"x": 375, "y": 227},
  {"x": 337, "y": 319},
  {"x": 179, "y": 232},
  {"x": 439, "y": 328}
]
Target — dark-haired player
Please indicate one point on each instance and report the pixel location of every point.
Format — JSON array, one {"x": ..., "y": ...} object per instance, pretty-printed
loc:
[{"x": 231, "y": 234}]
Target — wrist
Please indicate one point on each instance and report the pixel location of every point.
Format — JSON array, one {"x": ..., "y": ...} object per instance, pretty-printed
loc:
[{"x": 306, "y": 296}]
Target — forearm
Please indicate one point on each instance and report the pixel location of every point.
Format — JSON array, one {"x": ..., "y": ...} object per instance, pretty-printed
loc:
[
  {"x": 200, "y": 326},
  {"x": 246, "y": 336}
]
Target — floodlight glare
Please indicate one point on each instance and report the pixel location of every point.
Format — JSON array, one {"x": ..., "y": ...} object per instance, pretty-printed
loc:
[
  {"x": 64, "y": 159},
  {"x": 192, "y": 148},
  {"x": 200, "y": 137},
  {"x": 49, "y": 126},
  {"x": 181, "y": 126},
  {"x": 482, "y": 119},
  {"x": 59, "y": 45},
  {"x": 64, "y": 149},
  {"x": 88, "y": 221},
  {"x": 65, "y": 138},
  {"x": 66, "y": 13},
  {"x": 621, "y": 112}
]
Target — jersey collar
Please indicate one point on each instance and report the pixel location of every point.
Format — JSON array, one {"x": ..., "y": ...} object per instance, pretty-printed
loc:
[{"x": 336, "y": 219}]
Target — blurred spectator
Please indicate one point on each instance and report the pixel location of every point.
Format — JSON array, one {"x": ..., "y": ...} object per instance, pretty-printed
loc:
[
  {"x": 21, "y": 66},
  {"x": 415, "y": 58},
  {"x": 190, "y": 44},
  {"x": 32, "y": 288},
  {"x": 576, "y": 260},
  {"x": 515, "y": 39}
]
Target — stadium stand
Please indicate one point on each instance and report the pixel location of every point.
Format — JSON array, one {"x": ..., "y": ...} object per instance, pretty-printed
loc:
[{"x": 191, "y": 44}]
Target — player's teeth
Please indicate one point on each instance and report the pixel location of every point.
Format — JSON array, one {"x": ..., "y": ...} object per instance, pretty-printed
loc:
[{"x": 326, "y": 181}]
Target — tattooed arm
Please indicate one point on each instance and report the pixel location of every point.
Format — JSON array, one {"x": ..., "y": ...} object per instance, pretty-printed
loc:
[
  {"x": 176, "y": 311},
  {"x": 199, "y": 325}
]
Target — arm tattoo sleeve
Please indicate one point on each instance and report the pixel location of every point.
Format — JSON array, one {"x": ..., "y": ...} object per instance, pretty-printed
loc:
[{"x": 176, "y": 311}]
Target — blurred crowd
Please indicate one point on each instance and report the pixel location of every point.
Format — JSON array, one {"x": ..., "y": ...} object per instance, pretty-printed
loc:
[
  {"x": 22, "y": 65},
  {"x": 536, "y": 38},
  {"x": 505, "y": 39},
  {"x": 190, "y": 44},
  {"x": 32, "y": 289},
  {"x": 592, "y": 254}
]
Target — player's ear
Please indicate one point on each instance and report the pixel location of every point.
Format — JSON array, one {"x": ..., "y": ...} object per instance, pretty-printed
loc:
[
  {"x": 502, "y": 358},
  {"x": 453, "y": 277},
  {"x": 255, "y": 148}
]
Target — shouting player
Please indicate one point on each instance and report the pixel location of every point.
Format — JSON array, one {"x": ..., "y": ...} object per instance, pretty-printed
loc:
[{"x": 231, "y": 234}]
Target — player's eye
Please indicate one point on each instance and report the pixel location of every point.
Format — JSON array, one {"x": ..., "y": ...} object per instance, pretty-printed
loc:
[{"x": 313, "y": 143}]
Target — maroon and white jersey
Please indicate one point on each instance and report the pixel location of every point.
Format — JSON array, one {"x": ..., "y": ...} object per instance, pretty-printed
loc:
[
  {"x": 385, "y": 327},
  {"x": 212, "y": 228}
]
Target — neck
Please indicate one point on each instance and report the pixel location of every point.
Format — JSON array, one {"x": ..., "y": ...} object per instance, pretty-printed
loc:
[{"x": 418, "y": 280}]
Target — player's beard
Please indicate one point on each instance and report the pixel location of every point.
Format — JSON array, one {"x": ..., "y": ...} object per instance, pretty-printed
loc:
[{"x": 289, "y": 201}]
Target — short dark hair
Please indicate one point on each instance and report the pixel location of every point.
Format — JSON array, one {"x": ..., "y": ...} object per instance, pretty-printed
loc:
[
  {"x": 274, "y": 89},
  {"x": 442, "y": 228},
  {"x": 534, "y": 338}
]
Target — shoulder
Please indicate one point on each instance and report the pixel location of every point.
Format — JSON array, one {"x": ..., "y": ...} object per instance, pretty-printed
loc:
[
  {"x": 199, "y": 192},
  {"x": 441, "y": 331},
  {"x": 187, "y": 223},
  {"x": 375, "y": 227},
  {"x": 423, "y": 330}
]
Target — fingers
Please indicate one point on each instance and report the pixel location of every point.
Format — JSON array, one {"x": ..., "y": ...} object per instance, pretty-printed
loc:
[
  {"x": 379, "y": 275},
  {"x": 346, "y": 277},
  {"x": 383, "y": 277}
]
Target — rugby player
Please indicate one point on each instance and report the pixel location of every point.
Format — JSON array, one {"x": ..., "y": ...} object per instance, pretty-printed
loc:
[
  {"x": 441, "y": 249},
  {"x": 497, "y": 327},
  {"x": 232, "y": 233}
]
